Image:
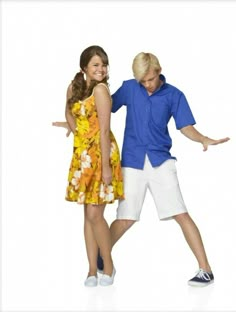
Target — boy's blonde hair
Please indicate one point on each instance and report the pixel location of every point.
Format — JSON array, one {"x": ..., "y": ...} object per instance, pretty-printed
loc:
[{"x": 142, "y": 63}]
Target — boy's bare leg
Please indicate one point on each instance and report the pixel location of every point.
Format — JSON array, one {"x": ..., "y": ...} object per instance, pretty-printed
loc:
[
  {"x": 118, "y": 229},
  {"x": 194, "y": 240}
]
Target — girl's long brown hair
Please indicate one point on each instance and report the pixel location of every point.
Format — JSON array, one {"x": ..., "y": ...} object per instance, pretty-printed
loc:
[{"x": 79, "y": 87}]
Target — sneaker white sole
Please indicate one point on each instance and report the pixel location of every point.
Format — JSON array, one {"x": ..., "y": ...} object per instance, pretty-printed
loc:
[{"x": 196, "y": 284}]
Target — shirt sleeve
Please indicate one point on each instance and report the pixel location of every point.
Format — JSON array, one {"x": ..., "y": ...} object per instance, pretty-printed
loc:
[
  {"x": 182, "y": 113},
  {"x": 118, "y": 98}
]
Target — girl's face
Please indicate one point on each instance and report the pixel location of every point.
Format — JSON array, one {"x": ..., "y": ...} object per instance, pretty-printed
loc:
[{"x": 95, "y": 69}]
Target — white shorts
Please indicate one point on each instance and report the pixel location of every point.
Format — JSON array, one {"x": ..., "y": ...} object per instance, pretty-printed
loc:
[{"x": 162, "y": 182}]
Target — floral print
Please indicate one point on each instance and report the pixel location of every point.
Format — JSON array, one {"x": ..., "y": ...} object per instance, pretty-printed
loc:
[{"x": 85, "y": 184}]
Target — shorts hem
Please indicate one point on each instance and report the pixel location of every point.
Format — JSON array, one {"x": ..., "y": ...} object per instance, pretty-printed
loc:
[
  {"x": 170, "y": 216},
  {"x": 127, "y": 218}
]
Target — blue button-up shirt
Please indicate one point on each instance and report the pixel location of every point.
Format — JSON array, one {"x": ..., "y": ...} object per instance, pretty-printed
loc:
[{"x": 146, "y": 130}]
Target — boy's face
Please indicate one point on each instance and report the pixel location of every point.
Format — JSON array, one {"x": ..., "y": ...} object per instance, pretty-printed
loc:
[{"x": 151, "y": 81}]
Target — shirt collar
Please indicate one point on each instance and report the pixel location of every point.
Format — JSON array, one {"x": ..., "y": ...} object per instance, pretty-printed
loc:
[{"x": 163, "y": 79}]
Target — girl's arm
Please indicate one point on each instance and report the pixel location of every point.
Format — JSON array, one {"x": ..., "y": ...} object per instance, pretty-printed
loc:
[
  {"x": 103, "y": 105},
  {"x": 69, "y": 117}
]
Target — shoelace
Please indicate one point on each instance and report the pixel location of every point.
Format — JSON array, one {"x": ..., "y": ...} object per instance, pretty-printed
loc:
[{"x": 203, "y": 275}]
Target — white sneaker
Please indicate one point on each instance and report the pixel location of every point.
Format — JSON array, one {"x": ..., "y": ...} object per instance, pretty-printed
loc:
[
  {"x": 107, "y": 280},
  {"x": 91, "y": 281}
]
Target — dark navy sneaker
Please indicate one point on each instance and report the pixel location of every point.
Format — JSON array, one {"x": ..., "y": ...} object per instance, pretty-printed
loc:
[
  {"x": 100, "y": 265},
  {"x": 202, "y": 278}
]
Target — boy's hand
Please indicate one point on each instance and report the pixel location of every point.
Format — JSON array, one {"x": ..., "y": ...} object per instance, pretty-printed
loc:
[{"x": 207, "y": 141}]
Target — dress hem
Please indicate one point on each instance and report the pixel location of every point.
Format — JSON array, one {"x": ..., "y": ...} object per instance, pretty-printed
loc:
[{"x": 92, "y": 203}]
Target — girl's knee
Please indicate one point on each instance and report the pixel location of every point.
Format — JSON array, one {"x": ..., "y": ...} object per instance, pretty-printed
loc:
[{"x": 93, "y": 215}]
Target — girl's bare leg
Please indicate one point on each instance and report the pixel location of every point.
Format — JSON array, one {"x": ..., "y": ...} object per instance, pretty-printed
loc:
[{"x": 98, "y": 226}]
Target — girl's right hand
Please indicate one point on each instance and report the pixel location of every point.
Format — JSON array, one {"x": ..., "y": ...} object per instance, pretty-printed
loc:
[
  {"x": 63, "y": 124},
  {"x": 107, "y": 175}
]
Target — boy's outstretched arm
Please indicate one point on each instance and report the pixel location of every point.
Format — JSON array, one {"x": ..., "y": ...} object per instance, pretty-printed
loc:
[{"x": 191, "y": 133}]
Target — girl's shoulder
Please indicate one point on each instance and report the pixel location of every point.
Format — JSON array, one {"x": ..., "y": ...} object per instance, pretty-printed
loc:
[{"x": 100, "y": 87}]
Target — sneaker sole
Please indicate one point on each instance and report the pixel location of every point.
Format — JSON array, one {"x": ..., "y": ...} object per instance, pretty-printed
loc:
[
  {"x": 95, "y": 285},
  {"x": 196, "y": 284}
]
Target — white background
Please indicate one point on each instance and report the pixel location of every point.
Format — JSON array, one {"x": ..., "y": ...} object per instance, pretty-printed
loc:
[{"x": 43, "y": 253}]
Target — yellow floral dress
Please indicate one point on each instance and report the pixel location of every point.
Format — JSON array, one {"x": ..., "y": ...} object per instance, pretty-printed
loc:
[{"x": 85, "y": 184}]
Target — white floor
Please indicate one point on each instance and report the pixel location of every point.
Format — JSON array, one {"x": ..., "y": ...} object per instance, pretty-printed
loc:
[{"x": 45, "y": 266}]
